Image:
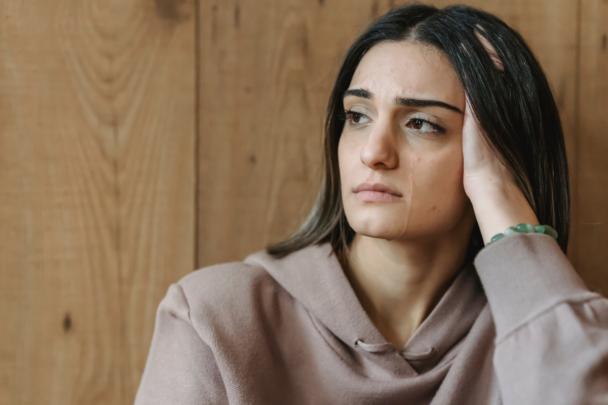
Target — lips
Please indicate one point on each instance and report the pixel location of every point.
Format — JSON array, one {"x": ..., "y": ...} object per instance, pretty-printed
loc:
[{"x": 376, "y": 187}]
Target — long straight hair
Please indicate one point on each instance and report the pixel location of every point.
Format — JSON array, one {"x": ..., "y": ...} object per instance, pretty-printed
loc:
[{"x": 514, "y": 106}]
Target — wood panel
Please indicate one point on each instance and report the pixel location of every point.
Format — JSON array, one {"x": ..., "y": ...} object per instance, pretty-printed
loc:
[
  {"x": 592, "y": 192},
  {"x": 97, "y": 187},
  {"x": 99, "y": 159}
]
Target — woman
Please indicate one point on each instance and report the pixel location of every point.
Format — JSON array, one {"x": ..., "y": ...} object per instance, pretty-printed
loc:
[{"x": 441, "y": 133}]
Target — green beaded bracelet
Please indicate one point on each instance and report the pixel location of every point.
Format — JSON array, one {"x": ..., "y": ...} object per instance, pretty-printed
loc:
[{"x": 525, "y": 228}]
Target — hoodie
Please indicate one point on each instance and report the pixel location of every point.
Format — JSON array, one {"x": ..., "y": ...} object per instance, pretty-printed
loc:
[{"x": 517, "y": 326}]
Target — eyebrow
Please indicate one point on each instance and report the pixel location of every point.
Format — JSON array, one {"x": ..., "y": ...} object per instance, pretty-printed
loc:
[{"x": 407, "y": 102}]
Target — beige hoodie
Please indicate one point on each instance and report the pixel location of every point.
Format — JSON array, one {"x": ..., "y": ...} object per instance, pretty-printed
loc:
[{"x": 291, "y": 331}]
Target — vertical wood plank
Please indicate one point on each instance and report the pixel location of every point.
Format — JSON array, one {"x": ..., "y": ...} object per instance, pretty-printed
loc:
[
  {"x": 266, "y": 67},
  {"x": 97, "y": 189},
  {"x": 592, "y": 222}
]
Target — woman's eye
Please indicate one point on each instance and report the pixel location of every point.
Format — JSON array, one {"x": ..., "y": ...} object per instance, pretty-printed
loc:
[
  {"x": 355, "y": 117},
  {"x": 422, "y": 125}
]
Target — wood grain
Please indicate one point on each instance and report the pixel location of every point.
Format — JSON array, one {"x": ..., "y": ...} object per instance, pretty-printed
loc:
[
  {"x": 265, "y": 71},
  {"x": 97, "y": 187},
  {"x": 592, "y": 193}
]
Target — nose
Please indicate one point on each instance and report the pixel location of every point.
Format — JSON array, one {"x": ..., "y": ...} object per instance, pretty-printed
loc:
[{"x": 380, "y": 149}]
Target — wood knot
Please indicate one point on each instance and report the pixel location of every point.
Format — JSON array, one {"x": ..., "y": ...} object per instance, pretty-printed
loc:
[
  {"x": 237, "y": 16},
  {"x": 67, "y": 323},
  {"x": 170, "y": 9}
]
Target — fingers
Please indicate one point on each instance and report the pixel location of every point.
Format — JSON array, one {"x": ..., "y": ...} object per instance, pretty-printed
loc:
[
  {"x": 477, "y": 151},
  {"x": 489, "y": 49},
  {"x": 470, "y": 125}
]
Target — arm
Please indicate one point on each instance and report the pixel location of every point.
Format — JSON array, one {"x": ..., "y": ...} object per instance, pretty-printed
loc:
[
  {"x": 552, "y": 333},
  {"x": 181, "y": 368}
]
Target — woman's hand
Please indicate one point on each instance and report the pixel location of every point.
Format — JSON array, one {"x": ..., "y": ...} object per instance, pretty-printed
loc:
[{"x": 497, "y": 200}]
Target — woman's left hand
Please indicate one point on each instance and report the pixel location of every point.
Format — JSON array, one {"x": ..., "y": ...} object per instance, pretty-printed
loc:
[{"x": 497, "y": 200}]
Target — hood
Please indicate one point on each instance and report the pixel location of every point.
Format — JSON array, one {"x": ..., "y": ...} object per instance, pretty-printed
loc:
[{"x": 314, "y": 277}]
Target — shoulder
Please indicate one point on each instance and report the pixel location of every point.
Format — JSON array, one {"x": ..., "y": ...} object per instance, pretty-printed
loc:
[
  {"x": 221, "y": 278},
  {"x": 230, "y": 293},
  {"x": 224, "y": 283}
]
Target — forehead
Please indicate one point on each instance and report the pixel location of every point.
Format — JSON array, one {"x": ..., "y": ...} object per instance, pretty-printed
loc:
[{"x": 411, "y": 70}]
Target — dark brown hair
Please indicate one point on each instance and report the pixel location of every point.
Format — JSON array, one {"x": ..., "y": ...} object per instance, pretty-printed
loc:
[{"x": 514, "y": 106}]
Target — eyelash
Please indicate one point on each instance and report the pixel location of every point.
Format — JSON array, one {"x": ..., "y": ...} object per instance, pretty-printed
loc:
[
  {"x": 436, "y": 128},
  {"x": 347, "y": 115}
]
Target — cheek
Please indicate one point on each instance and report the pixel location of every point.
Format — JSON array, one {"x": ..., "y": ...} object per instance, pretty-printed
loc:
[
  {"x": 438, "y": 187},
  {"x": 439, "y": 167}
]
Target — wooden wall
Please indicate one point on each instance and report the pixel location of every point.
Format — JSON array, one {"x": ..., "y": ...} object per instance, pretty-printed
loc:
[{"x": 140, "y": 140}]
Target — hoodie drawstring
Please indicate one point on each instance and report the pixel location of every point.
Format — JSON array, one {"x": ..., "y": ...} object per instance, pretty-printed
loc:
[
  {"x": 388, "y": 347},
  {"x": 375, "y": 347}
]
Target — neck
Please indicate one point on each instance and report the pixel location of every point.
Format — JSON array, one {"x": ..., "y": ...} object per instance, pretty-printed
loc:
[{"x": 399, "y": 282}]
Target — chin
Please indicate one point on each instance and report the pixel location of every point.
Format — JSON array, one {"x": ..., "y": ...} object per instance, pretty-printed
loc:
[
  {"x": 378, "y": 228},
  {"x": 383, "y": 236}
]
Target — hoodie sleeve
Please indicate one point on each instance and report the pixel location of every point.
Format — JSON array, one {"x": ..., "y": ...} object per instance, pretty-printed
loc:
[
  {"x": 181, "y": 369},
  {"x": 551, "y": 332}
]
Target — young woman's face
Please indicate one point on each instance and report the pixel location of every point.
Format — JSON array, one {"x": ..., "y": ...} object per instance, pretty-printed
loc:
[{"x": 403, "y": 131}]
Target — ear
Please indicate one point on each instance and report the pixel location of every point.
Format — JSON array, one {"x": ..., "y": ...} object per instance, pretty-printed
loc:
[{"x": 489, "y": 48}]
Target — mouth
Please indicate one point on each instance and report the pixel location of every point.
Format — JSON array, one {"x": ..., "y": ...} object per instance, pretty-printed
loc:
[{"x": 376, "y": 193}]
